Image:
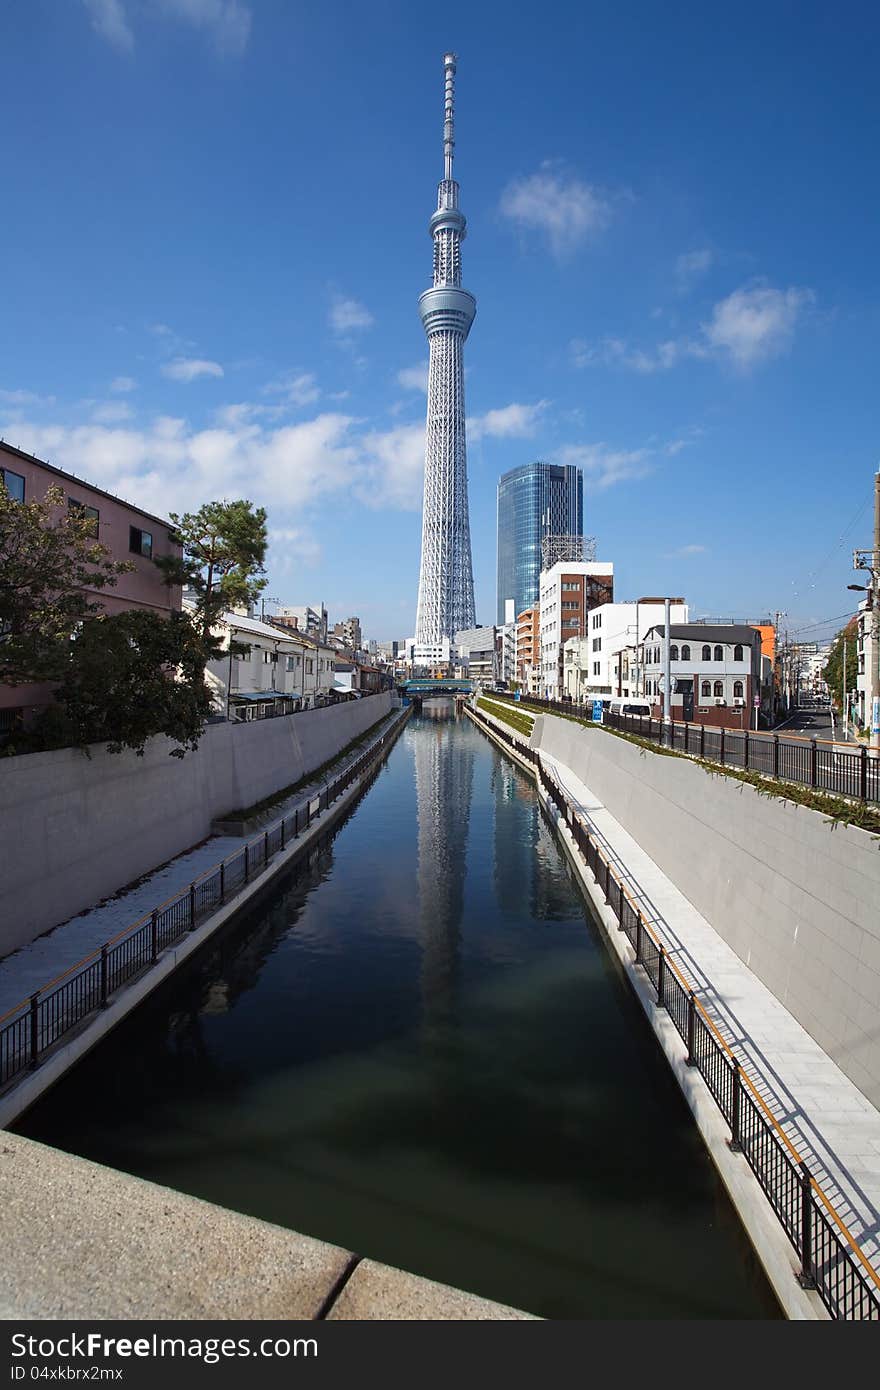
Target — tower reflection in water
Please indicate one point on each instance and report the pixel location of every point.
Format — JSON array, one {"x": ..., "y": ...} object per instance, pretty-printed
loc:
[{"x": 444, "y": 777}]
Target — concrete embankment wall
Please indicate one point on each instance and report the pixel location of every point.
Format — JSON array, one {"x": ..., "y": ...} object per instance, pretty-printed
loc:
[
  {"x": 75, "y": 829},
  {"x": 796, "y": 897}
]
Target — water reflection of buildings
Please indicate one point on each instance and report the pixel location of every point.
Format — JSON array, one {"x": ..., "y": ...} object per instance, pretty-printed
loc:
[
  {"x": 444, "y": 773},
  {"x": 528, "y": 867}
]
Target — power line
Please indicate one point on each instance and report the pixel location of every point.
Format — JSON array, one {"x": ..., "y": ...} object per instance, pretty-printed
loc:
[{"x": 808, "y": 582}]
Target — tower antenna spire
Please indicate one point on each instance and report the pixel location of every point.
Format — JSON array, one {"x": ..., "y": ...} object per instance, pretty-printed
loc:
[{"x": 449, "y": 60}]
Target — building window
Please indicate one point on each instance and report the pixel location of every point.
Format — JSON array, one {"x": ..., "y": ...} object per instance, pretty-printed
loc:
[
  {"x": 14, "y": 484},
  {"x": 685, "y": 653},
  {"x": 292, "y": 663},
  {"x": 719, "y": 653},
  {"x": 737, "y": 690},
  {"x": 91, "y": 513},
  {"x": 705, "y": 690},
  {"x": 310, "y": 667},
  {"x": 707, "y": 653},
  {"x": 597, "y": 644},
  {"x": 737, "y": 653},
  {"x": 719, "y": 687},
  {"x": 673, "y": 653},
  {"x": 597, "y": 666},
  {"x": 140, "y": 542}
]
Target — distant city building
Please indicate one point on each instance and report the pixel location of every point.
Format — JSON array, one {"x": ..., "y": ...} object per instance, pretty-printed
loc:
[
  {"x": 535, "y": 500},
  {"x": 265, "y": 670},
  {"x": 591, "y": 666},
  {"x": 528, "y": 649},
  {"x": 717, "y": 673},
  {"x": 567, "y": 593},
  {"x": 128, "y": 533},
  {"x": 867, "y": 658},
  {"x": 477, "y": 650},
  {"x": 349, "y": 630},
  {"x": 305, "y": 619}
]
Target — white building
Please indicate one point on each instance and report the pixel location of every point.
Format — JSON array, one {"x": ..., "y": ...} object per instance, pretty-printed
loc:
[
  {"x": 476, "y": 649},
  {"x": 591, "y": 668},
  {"x": 867, "y": 657},
  {"x": 266, "y": 670},
  {"x": 568, "y": 591}
]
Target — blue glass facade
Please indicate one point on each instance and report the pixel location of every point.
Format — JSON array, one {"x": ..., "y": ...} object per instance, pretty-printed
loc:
[{"x": 535, "y": 500}]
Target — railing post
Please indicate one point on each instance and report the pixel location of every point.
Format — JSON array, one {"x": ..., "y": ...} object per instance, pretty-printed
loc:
[
  {"x": 863, "y": 773},
  {"x": 296, "y": 823},
  {"x": 35, "y": 1028},
  {"x": 607, "y": 881},
  {"x": 702, "y": 740},
  {"x": 104, "y": 976},
  {"x": 746, "y": 750},
  {"x": 721, "y": 754},
  {"x": 223, "y": 881},
  {"x": 814, "y": 763},
  {"x": 192, "y": 906},
  {"x": 282, "y": 832},
  {"x": 638, "y": 938},
  {"x": 265, "y": 846},
  {"x": 692, "y": 1029},
  {"x": 620, "y": 903},
  {"x": 154, "y": 933},
  {"x": 661, "y": 978},
  {"x": 775, "y": 755},
  {"x": 806, "y": 1279},
  {"x": 247, "y": 863},
  {"x": 735, "y": 1096}
]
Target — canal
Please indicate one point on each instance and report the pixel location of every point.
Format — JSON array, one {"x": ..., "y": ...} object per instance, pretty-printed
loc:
[{"x": 418, "y": 1048}]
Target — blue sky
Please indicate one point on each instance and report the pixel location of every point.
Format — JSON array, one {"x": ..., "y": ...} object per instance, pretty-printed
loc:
[{"x": 215, "y": 235}]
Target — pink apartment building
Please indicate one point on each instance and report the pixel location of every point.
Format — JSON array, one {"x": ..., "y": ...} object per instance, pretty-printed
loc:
[{"x": 128, "y": 533}]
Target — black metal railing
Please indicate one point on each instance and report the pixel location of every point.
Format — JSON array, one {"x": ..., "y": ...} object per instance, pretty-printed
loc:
[
  {"x": 831, "y": 1260},
  {"x": 30, "y": 1030},
  {"x": 810, "y": 762}
]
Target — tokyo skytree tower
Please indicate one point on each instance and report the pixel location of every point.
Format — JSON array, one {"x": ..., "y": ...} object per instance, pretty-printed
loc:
[{"x": 446, "y": 582}]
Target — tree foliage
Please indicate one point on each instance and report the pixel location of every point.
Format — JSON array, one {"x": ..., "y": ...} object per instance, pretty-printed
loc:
[
  {"x": 224, "y": 546},
  {"x": 50, "y": 566},
  {"x": 130, "y": 676},
  {"x": 832, "y": 672}
]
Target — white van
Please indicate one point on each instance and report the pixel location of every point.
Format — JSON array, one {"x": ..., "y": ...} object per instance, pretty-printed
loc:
[{"x": 632, "y": 705}]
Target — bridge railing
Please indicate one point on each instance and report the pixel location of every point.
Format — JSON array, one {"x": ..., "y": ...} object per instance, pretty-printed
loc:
[
  {"x": 34, "y": 1027},
  {"x": 831, "y": 1259},
  {"x": 815, "y": 763}
]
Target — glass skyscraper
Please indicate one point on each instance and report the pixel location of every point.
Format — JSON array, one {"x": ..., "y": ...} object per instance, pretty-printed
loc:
[{"x": 535, "y": 500}]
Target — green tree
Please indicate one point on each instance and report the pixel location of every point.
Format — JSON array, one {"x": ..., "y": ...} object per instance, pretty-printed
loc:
[
  {"x": 832, "y": 672},
  {"x": 224, "y": 546},
  {"x": 129, "y": 677},
  {"x": 51, "y": 565}
]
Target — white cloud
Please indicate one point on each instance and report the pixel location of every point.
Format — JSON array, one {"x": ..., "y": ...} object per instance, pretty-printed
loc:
[
  {"x": 414, "y": 378},
  {"x": 112, "y": 412},
  {"x": 348, "y": 316},
  {"x": 564, "y": 209},
  {"x": 394, "y": 468},
  {"x": 227, "y": 22},
  {"x": 752, "y": 325},
  {"x": 121, "y": 384},
  {"x": 110, "y": 22},
  {"x": 691, "y": 265},
  {"x": 25, "y": 398},
  {"x": 299, "y": 389},
  {"x": 514, "y": 421},
  {"x": 189, "y": 368},
  {"x": 684, "y": 551},
  {"x": 604, "y": 466}
]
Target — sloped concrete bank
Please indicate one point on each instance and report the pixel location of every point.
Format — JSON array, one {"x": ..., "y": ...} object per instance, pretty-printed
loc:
[
  {"x": 31, "y": 1085},
  {"x": 80, "y": 827},
  {"x": 763, "y": 1230},
  {"x": 795, "y": 896}
]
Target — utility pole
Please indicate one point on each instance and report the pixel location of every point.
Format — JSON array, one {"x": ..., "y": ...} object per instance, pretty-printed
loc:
[
  {"x": 843, "y": 705},
  {"x": 667, "y": 670},
  {"x": 870, "y": 560}
]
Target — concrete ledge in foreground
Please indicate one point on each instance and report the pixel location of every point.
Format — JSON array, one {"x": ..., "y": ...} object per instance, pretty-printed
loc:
[{"x": 81, "y": 1241}]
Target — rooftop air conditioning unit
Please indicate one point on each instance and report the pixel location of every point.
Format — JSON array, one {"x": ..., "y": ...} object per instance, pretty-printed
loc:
[
  {"x": 719, "y": 700},
  {"x": 738, "y": 700}
]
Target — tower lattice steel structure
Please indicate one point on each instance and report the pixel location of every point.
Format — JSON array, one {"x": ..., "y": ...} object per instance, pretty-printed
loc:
[{"x": 446, "y": 582}]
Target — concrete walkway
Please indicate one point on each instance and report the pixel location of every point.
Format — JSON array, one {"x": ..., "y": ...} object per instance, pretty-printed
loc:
[
  {"x": 32, "y": 967},
  {"x": 834, "y": 1127}
]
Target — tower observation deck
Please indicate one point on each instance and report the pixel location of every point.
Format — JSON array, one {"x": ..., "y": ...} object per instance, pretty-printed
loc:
[{"x": 446, "y": 584}]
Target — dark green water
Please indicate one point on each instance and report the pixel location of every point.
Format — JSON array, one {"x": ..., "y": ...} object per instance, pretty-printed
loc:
[{"x": 419, "y": 1049}]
